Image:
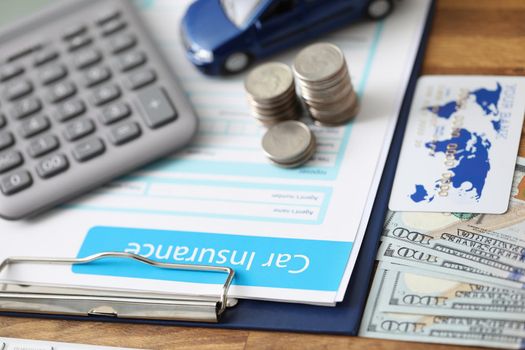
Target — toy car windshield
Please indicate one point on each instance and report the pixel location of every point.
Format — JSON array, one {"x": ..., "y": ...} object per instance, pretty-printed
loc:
[{"x": 240, "y": 12}]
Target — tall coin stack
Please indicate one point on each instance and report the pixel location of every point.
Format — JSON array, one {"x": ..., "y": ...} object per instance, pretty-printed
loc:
[
  {"x": 271, "y": 93},
  {"x": 325, "y": 84}
]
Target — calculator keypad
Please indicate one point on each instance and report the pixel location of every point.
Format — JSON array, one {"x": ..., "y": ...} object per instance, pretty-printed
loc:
[
  {"x": 6, "y": 140},
  {"x": 25, "y": 107},
  {"x": 18, "y": 88},
  {"x": 52, "y": 73},
  {"x": 85, "y": 94},
  {"x": 10, "y": 160},
  {"x": 33, "y": 126},
  {"x": 52, "y": 165},
  {"x": 42, "y": 145},
  {"x": 86, "y": 150},
  {"x": 9, "y": 71},
  {"x": 15, "y": 182}
]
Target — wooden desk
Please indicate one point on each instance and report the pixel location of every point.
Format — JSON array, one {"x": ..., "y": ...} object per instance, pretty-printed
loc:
[{"x": 468, "y": 36}]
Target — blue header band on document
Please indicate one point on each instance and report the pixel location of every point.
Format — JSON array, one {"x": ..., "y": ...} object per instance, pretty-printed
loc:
[{"x": 258, "y": 261}]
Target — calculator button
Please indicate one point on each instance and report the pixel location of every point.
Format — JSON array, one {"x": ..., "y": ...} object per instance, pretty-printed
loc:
[
  {"x": 42, "y": 145},
  {"x": 26, "y": 107},
  {"x": 3, "y": 122},
  {"x": 15, "y": 182},
  {"x": 89, "y": 149},
  {"x": 52, "y": 166},
  {"x": 86, "y": 58},
  {"x": 158, "y": 109},
  {"x": 17, "y": 89},
  {"x": 74, "y": 30},
  {"x": 79, "y": 129},
  {"x": 45, "y": 56},
  {"x": 96, "y": 75},
  {"x": 115, "y": 112},
  {"x": 34, "y": 125},
  {"x": 10, "y": 160},
  {"x": 9, "y": 71},
  {"x": 105, "y": 94},
  {"x": 107, "y": 16},
  {"x": 79, "y": 41},
  {"x": 52, "y": 73},
  {"x": 130, "y": 60},
  {"x": 123, "y": 133},
  {"x": 70, "y": 109},
  {"x": 113, "y": 26},
  {"x": 6, "y": 140},
  {"x": 140, "y": 78},
  {"x": 121, "y": 42},
  {"x": 61, "y": 91}
]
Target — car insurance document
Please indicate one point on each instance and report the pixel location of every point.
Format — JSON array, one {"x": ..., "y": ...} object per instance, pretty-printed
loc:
[{"x": 290, "y": 234}]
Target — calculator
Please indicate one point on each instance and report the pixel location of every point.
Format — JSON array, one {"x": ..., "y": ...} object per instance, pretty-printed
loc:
[{"x": 85, "y": 96}]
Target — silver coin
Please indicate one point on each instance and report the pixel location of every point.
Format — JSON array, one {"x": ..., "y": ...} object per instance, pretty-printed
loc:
[
  {"x": 318, "y": 62},
  {"x": 315, "y": 89},
  {"x": 330, "y": 96},
  {"x": 308, "y": 154},
  {"x": 338, "y": 79},
  {"x": 288, "y": 142},
  {"x": 329, "y": 115},
  {"x": 340, "y": 119},
  {"x": 269, "y": 80},
  {"x": 285, "y": 99},
  {"x": 332, "y": 106},
  {"x": 291, "y": 114}
]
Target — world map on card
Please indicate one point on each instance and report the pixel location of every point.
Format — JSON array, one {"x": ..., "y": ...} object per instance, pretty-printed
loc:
[
  {"x": 471, "y": 162},
  {"x": 486, "y": 99}
]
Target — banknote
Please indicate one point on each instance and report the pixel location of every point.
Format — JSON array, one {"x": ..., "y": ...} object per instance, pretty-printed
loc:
[
  {"x": 456, "y": 253},
  {"x": 452, "y": 278},
  {"x": 396, "y": 251},
  {"x": 408, "y": 290},
  {"x": 475, "y": 331}
]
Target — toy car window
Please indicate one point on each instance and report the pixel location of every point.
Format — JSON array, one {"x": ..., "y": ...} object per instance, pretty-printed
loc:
[
  {"x": 279, "y": 8},
  {"x": 239, "y": 12}
]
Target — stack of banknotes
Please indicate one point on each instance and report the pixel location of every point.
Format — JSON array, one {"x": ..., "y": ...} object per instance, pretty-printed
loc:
[{"x": 452, "y": 278}]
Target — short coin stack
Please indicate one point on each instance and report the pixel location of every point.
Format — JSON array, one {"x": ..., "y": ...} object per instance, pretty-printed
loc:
[
  {"x": 271, "y": 93},
  {"x": 289, "y": 144},
  {"x": 325, "y": 84}
]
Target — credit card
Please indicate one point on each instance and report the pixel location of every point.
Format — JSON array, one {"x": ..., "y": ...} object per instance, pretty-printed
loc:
[{"x": 460, "y": 145}]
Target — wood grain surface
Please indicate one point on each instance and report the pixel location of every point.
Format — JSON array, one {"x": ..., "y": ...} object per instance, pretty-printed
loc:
[{"x": 468, "y": 37}]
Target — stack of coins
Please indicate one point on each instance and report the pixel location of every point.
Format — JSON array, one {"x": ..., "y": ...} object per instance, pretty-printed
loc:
[
  {"x": 271, "y": 93},
  {"x": 325, "y": 84},
  {"x": 289, "y": 144}
]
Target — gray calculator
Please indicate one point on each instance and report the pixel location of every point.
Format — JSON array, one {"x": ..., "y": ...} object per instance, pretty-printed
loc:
[{"x": 85, "y": 96}]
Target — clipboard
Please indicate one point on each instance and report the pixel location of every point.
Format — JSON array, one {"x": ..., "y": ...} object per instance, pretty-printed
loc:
[{"x": 342, "y": 319}]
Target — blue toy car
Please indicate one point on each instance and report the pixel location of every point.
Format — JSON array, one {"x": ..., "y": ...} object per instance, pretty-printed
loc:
[{"x": 224, "y": 36}]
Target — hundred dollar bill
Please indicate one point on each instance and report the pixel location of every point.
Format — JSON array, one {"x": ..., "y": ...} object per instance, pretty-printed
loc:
[
  {"x": 403, "y": 253},
  {"x": 407, "y": 290},
  {"x": 511, "y": 270},
  {"x": 503, "y": 249},
  {"x": 475, "y": 331}
]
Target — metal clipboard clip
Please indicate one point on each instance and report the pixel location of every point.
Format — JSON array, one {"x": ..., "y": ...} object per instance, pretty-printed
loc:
[{"x": 81, "y": 301}]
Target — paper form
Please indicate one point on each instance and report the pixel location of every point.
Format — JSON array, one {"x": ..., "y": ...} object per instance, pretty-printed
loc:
[{"x": 291, "y": 234}]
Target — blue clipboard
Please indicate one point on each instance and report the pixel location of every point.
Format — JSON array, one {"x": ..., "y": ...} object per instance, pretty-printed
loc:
[{"x": 345, "y": 317}]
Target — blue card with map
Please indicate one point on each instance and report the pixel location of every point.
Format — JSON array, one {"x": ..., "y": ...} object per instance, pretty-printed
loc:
[{"x": 460, "y": 145}]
